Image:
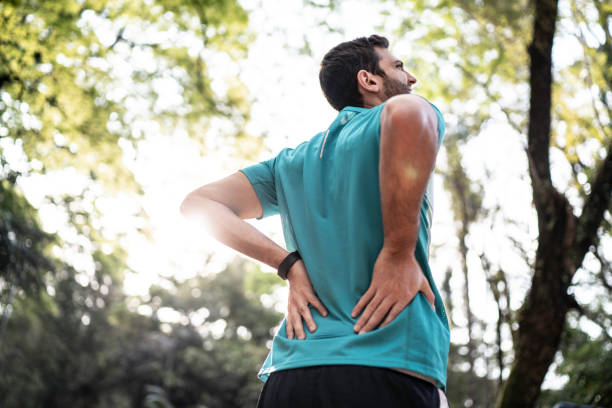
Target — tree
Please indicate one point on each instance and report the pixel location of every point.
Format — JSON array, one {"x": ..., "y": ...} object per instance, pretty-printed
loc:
[
  {"x": 586, "y": 364},
  {"x": 197, "y": 342},
  {"x": 65, "y": 106},
  {"x": 77, "y": 81},
  {"x": 564, "y": 238},
  {"x": 490, "y": 47}
]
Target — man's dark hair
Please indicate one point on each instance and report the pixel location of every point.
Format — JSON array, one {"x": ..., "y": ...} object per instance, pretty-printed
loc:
[{"x": 339, "y": 68}]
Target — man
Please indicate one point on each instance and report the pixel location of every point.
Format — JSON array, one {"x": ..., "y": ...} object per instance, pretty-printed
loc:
[{"x": 356, "y": 204}]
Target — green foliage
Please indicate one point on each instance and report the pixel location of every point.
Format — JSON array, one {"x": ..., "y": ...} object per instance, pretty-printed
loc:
[
  {"x": 75, "y": 76},
  {"x": 23, "y": 257},
  {"x": 470, "y": 51},
  {"x": 66, "y": 101},
  {"x": 50, "y": 99},
  {"x": 71, "y": 73},
  {"x": 466, "y": 195},
  {"x": 586, "y": 365},
  {"x": 471, "y": 57},
  {"x": 156, "y": 398},
  {"x": 582, "y": 127},
  {"x": 231, "y": 296},
  {"x": 83, "y": 347},
  {"x": 483, "y": 389}
]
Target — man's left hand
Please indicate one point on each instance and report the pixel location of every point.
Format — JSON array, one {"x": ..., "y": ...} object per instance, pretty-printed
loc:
[{"x": 396, "y": 280}]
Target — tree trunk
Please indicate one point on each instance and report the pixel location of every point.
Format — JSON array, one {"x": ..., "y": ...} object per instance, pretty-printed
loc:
[
  {"x": 542, "y": 317},
  {"x": 563, "y": 238}
]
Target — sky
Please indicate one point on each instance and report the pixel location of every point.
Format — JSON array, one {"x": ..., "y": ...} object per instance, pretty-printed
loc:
[{"x": 290, "y": 108}]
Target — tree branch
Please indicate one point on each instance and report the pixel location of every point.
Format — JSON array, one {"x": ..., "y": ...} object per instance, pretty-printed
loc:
[
  {"x": 131, "y": 43},
  {"x": 594, "y": 208},
  {"x": 540, "y": 101}
]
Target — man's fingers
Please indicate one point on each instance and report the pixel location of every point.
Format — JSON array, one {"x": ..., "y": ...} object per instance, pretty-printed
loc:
[
  {"x": 365, "y": 299},
  {"x": 379, "y": 314},
  {"x": 314, "y": 300},
  {"x": 305, "y": 312},
  {"x": 294, "y": 323},
  {"x": 289, "y": 328},
  {"x": 298, "y": 328},
  {"x": 429, "y": 295},
  {"x": 393, "y": 313},
  {"x": 365, "y": 316}
]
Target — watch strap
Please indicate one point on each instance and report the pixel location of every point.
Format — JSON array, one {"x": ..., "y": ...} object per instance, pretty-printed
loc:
[{"x": 287, "y": 263}]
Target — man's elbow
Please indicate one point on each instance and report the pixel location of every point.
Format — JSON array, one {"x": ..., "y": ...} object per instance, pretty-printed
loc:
[
  {"x": 185, "y": 205},
  {"x": 203, "y": 203},
  {"x": 191, "y": 202}
]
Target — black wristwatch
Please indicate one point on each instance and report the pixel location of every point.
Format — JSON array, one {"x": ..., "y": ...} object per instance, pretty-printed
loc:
[{"x": 287, "y": 263}]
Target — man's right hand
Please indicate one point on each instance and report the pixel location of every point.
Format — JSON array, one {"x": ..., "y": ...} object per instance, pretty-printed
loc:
[
  {"x": 396, "y": 280},
  {"x": 301, "y": 294}
]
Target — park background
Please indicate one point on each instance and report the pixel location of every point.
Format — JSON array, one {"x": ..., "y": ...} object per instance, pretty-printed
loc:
[{"x": 111, "y": 111}]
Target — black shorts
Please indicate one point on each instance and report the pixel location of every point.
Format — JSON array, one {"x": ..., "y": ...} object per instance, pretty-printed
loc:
[{"x": 337, "y": 386}]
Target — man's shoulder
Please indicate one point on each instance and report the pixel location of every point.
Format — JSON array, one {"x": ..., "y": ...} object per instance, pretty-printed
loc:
[
  {"x": 412, "y": 109},
  {"x": 407, "y": 104}
]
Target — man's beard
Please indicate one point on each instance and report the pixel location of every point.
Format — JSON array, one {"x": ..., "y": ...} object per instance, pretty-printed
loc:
[{"x": 394, "y": 87}]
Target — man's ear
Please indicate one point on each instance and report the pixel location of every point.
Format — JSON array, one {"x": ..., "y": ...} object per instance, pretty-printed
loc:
[{"x": 368, "y": 82}]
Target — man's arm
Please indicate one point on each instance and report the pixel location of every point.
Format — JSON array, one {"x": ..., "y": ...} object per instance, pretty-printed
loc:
[
  {"x": 222, "y": 206},
  {"x": 408, "y": 148}
]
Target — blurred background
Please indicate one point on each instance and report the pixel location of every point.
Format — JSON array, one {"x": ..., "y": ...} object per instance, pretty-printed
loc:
[{"x": 111, "y": 111}]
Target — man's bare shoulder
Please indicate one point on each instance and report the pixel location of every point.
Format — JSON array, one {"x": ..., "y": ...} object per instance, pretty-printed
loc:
[
  {"x": 408, "y": 104},
  {"x": 410, "y": 111}
]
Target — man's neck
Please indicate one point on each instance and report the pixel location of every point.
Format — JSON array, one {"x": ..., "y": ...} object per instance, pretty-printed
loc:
[{"x": 371, "y": 102}]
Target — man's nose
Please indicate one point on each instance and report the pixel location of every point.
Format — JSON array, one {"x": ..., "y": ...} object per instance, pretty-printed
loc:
[{"x": 411, "y": 79}]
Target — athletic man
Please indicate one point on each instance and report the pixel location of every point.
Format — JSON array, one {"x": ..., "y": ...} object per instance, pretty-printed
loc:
[{"x": 356, "y": 204}]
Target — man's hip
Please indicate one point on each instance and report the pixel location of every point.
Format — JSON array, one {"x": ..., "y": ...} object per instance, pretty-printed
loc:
[{"x": 346, "y": 386}]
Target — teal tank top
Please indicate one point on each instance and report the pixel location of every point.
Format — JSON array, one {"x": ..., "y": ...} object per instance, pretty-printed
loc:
[{"x": 327, "y": 193}]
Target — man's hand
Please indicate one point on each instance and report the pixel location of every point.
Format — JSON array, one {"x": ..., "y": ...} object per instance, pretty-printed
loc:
[
  {"x": 396, "y": 279},
  {"x": 300, "y": 295}
]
